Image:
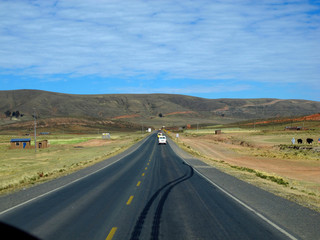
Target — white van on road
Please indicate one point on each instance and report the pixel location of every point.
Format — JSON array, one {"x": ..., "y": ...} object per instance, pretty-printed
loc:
[{"x": 162, "y": 140}]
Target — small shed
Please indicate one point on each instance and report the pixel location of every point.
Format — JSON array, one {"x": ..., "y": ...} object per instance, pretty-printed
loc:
[
  {"x": 44, "y": 133},
  {"x": 217, "y": 131},
  {"x": 42, "y": 144},
  {"x": 20, "y": 143},
  {"x": 106, "y": 136}
]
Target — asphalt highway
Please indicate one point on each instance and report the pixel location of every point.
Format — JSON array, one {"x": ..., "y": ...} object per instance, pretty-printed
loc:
[{"x": 150, "y": 193}]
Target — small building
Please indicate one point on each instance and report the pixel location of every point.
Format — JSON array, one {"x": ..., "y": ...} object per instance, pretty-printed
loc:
[
  {"x": 45, "y": 133},
  {"x": 42, "y": 144},
  {"x": 217, "y": 132},
  {"x": 20, "y": 143},
  {"x": 106, "y": 136}
]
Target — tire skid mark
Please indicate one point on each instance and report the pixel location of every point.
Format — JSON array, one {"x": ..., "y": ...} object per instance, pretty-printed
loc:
[{"x": 157, "y": 217}]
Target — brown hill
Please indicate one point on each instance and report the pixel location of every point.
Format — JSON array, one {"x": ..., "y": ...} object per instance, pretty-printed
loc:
[{"x": 152, "y": 109}]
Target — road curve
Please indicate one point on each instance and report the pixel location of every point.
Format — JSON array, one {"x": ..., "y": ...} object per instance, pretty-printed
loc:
[{"x": 148, "y": 193}]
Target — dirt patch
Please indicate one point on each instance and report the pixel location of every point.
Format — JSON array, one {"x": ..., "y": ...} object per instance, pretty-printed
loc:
[
  {"x": 175, "y": 113},
  {"x": 256, "y": 157},
  {"x": 127, "y": 116}
]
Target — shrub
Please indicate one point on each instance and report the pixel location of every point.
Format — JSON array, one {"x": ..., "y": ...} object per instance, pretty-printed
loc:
[{"x": 277, "y": 180}]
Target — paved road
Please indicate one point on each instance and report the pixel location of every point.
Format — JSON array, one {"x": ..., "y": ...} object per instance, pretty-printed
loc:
[{"x": 150, "y": 193}]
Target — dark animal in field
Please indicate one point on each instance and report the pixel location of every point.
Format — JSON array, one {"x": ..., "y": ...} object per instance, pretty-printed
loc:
[
  {"x": 309, "y": 140},
  {"x": 300, "y": 141}
]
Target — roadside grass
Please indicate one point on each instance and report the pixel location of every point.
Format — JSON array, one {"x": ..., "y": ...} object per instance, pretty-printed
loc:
[
  {"x": 70, "y": 141},
  {"x": 301, "y": 192},
  {"x": 22, "y": 168},
  {"x": 262, "y": 175}
]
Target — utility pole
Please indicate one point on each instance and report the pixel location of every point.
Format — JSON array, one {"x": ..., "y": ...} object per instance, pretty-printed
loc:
[
  {"x": 35, "y": 130},
  {"x": 142, "y": 128}
]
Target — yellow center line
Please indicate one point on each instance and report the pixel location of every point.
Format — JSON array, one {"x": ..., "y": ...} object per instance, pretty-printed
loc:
[
  {"x": 148, "y": 164},
  {"x": 142, "y": 174},
  {"x": 111, "y": 233},
  {"x": 138, "y": 184},
  {"x": 130, "y": 200},
  {"x": 146, "y": 168}
]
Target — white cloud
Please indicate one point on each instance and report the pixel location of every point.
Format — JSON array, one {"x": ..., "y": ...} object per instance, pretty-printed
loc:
[{"x": 239, "y": 40}]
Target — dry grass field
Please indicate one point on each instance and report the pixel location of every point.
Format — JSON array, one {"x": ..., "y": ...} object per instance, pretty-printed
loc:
[
  {"x": 264, "y": 158},
  {"x": 66, "y": 153}
]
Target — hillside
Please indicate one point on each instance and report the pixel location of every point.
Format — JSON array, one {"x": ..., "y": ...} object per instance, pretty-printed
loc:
[{"x": 152, "y": 109}]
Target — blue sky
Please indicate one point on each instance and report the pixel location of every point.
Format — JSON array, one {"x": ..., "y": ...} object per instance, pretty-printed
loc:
[{"x": 211, "y": 49}]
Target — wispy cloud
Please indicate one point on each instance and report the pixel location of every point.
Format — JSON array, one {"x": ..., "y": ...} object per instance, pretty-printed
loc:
[
  {"x": 258, "y": 41},
  {"x": 192, "y": 90}
]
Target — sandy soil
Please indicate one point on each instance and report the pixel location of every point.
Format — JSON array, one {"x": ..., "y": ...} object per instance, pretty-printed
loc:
[{"x": 302, "y": 170}]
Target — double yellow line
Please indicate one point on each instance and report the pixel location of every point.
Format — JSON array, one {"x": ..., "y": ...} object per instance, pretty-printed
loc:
[{"x": 114, "y": 229}]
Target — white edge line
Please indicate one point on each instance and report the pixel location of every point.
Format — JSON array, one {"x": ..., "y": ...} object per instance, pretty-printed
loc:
[
  {"x": 247, "y": 206},
  {"x": 74, "y": 181}
]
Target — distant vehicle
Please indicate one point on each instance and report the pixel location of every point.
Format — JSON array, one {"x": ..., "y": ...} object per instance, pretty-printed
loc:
[
  {"x": 162, "y": 140},
  {"x": 159, "y": 134}
]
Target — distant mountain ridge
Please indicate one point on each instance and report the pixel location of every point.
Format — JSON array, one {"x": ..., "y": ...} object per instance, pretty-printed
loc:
[{"x": 151, "y": 108}]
